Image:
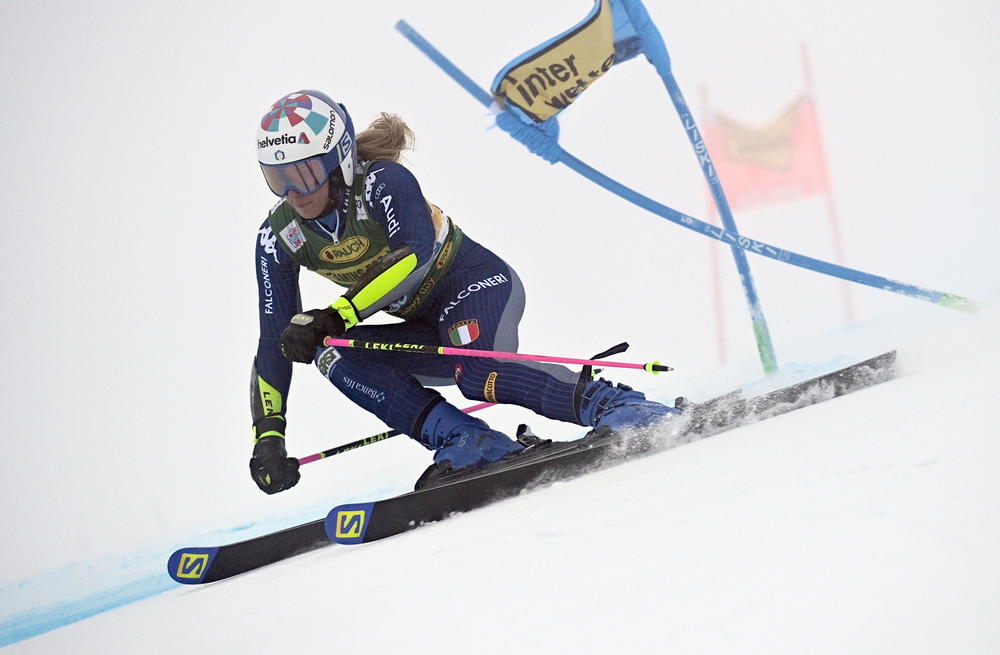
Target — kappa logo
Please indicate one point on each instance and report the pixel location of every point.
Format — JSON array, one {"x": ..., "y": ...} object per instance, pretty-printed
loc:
[
  {"x": 350, "y": 524},
  {"x": 347, "y": 250},
  {"x": 370, "y": 182},
  {"x": 192, "y": 566},
  {"x": 268, "y": 241}
]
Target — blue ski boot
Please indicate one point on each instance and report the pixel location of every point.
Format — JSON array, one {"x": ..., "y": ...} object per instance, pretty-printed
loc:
[
  {"x": 602, "y": 404},
  {"x": 463, "y": 440}
]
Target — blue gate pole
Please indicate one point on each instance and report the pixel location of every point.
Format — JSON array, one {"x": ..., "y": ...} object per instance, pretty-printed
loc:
[
  {"x": 545, "y": 145},
  {"x": 656, "y": 52}
]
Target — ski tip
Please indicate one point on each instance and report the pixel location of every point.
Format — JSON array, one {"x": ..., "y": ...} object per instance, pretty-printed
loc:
[
  {"x": 191, "y": 565},
  {"x": 347, "y": 524},
  {"x": 883, "y": 366}
]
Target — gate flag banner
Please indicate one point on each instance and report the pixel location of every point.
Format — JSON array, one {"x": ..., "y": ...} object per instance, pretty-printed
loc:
[
  {"x": 547, "y": 79},
  {"x": 529, "y": 93},
  {"x": 780, "y": 161},
  {"x": 535, "y": 87}
]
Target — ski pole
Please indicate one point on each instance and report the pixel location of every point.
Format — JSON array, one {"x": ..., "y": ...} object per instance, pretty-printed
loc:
[
  {"x": 375, "y": 438},
  {"x": 653, "y": 367}
]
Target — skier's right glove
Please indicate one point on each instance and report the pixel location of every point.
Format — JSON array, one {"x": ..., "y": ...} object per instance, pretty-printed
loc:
[
  {"x": 270, "y": 466},
  {"x": 305, "y": 333}
]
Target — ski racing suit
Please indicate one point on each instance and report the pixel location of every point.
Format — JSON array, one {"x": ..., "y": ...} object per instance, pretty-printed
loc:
[{"x": 452, "y": 291}]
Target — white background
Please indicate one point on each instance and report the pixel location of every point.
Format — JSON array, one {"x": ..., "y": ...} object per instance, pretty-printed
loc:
[{"x": 133, "y": 199}]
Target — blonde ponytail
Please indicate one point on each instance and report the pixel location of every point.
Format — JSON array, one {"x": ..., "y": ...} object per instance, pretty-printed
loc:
[{"x": 384, "y": 139}]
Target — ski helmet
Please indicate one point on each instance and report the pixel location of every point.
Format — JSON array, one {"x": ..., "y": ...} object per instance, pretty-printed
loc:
[{"x": 304, "y": 138}]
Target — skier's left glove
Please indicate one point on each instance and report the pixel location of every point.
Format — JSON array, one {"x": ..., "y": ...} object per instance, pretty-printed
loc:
[
  {"x": 271, "y": 467},
  {"x": 305, "y": 333}
]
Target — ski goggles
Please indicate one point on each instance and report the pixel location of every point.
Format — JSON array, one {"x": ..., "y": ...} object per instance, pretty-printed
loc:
[{"x": 305, "y": 176}]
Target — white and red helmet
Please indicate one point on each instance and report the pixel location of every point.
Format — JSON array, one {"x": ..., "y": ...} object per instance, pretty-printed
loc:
[{"x": 304, "y": 138}]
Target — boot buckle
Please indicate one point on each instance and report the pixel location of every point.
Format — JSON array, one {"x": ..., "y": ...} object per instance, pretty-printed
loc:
[{"x": 529, "y": 439}]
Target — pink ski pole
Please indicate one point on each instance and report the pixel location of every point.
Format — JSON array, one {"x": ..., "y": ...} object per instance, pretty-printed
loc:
[
  {"x": 650, "y": 367},
  {"x": 375, "y": 438}
]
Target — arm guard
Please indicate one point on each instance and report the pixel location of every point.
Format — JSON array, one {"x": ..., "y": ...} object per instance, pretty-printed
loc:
[
  {"x": 379, "y": 286},
  {"x": 266, "y": 407}
]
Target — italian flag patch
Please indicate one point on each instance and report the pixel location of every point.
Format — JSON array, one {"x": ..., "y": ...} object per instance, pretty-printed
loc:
[{"x": 464, "y": 332}]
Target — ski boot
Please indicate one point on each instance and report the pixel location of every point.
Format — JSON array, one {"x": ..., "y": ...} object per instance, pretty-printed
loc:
[
  {"x": 603, "y": 405},
  {"x": 460, "y": 442}
]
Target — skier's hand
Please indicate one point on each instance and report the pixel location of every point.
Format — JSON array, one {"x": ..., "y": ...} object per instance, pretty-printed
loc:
[
  {"x": 270, "y": 466},
  {"x": 305, "y": 333}
]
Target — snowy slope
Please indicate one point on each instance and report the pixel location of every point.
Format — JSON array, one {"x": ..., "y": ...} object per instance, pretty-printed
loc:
[
  {"x": 130, "y": 322},
  {"x": 867, "y": 524}
]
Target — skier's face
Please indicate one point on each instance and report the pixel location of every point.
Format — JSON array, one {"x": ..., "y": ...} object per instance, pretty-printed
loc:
[{"x": 310, "y": 205}]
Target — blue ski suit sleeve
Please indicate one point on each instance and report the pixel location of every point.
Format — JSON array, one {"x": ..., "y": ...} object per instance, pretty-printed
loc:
[
  {"x": 397, "y": 204},
  {"x": 278, "y": 300}
]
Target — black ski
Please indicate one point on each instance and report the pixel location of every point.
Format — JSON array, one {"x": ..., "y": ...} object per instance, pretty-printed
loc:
[
  {"x": 731, "y": 410},
  {"x": 466, "y": 490},
  {"x": 369, "y": 521},
  {"x": 198, "y": 565}
]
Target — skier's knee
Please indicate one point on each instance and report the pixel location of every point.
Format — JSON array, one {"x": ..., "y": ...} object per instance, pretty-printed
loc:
[{"x": 477, "y": 381}]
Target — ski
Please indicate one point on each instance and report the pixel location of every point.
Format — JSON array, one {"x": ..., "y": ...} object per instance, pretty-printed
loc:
[
  {"x": 731, "y": 410},
  {"x": 363, "y": 522},
  {"x": 466, "y": 490},
  {"x": 200, "y": 565}
]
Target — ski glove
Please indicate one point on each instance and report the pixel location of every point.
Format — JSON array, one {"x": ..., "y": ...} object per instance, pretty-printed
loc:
[
  {"x": 270, "y": 466},
  {"x": 306, "y": 331}
]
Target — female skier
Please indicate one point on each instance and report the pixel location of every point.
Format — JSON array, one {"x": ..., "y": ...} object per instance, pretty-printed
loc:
[{"x": 350, "y": 212}]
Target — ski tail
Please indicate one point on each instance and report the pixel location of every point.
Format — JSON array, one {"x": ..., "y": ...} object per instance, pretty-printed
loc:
[
  {"x": 200, "y": 565},
  {"x": 191, "y": 565}
]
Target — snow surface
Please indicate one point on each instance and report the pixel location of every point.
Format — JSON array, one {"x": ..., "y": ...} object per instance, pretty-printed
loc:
[{"x": 867, "y": 524}]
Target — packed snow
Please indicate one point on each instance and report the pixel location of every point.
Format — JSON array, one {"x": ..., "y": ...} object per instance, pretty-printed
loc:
[{"x": 866, "y": 524}]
